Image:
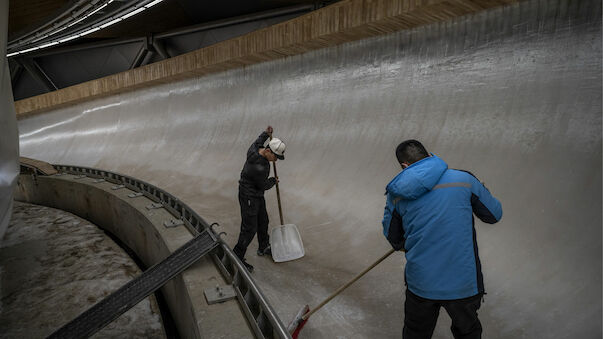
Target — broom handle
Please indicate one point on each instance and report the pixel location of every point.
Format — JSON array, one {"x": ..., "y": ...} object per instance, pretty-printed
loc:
[
  {"x": 278, "y": 192},
  {"x": 307, "y": 315}
]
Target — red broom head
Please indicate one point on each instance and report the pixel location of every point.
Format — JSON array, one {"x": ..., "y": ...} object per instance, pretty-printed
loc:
[
  {"x": 299, "y": 328},
  {"x": 298, "y": 322}
]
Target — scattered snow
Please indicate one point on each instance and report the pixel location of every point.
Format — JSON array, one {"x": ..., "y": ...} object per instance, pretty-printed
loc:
[{"x": 54, "y": 266}]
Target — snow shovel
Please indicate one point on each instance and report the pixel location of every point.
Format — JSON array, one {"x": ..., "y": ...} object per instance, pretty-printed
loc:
[
  {"x": 285, "y": 241},
  {"x": 302, "y": 316}
]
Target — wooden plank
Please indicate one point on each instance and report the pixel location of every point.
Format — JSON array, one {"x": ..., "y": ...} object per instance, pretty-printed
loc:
[
  {"x": 344, "y": 21},
  {"x": 41, "y": 166}
]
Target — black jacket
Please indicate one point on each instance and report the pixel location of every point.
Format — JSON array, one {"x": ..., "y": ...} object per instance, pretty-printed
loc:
[{"x": 254, "y": 176}]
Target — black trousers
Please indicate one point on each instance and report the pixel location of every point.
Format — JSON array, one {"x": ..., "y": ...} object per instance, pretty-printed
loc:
[
  {"x": 254, "y": 219},
  {"x": 421, "y": 316}
]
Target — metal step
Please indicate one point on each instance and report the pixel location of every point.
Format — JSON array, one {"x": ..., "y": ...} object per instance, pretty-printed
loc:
[{"x": 126, "y": 297}]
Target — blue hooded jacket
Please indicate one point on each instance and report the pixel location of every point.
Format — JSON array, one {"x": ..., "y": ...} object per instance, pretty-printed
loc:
[{"x": 429, "y": 214}]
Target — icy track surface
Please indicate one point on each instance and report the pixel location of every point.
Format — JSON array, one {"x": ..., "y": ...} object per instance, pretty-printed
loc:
[{"x": 54, "y": 266}]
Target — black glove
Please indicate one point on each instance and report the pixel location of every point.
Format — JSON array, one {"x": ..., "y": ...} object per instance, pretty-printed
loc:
[
  {"x": 395, "y": 235},
  {"x": 397, "y": 245},
  {"x": 270, "y": 182}
]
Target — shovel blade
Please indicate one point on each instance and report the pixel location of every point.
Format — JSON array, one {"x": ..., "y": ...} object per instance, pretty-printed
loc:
[{"x": 286, "y": 243}]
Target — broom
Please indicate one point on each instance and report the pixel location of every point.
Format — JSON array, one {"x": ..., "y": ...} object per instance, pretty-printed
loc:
[{"x": 302, "y": 316}]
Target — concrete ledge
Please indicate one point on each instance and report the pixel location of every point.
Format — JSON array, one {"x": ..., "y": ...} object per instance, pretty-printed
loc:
[{"x": 142, "y": 231}]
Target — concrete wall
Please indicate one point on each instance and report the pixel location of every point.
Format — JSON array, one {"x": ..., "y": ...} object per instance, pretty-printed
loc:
[
  {"x": 511, "y": 94},
  {"x": 9, "y": 144},
  {"x": 143, "y": 232}
]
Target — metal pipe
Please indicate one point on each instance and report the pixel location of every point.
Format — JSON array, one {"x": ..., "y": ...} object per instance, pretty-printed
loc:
[
  {"x": 38, "y": 74},
  {"x": 68, "y": 10},
  {"x": 186, "y": 30},
  {"x": 74, "y": 31},
  {"x": 31, "y": 37},
  {"x": 15, "y": 74},
  {"x": 236, "y": 20},
  {"x": 139, "y": 58},
  {"x": 159, "y": 47},
  {"x": 97, "y": 44},
  {"x": 109, "y": 16}
]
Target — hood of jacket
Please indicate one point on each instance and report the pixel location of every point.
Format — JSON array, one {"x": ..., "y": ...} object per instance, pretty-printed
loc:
[{"x": 418, "y": 178}]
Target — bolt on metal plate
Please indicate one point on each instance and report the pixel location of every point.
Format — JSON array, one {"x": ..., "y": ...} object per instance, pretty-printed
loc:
[
  {"x": 219, "y": 294},
  {"x": 116, "y": 187},
  {"x": 135, "y": 195},
  {"x": 173, "y": 223},
  {"x": 154, "y": 206}
]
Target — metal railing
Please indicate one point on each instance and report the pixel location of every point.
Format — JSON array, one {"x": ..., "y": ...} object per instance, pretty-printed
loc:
[{"x": 262, "y": 318}]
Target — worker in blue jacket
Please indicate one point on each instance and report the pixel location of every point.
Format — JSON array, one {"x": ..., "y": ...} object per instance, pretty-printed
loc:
[{"x": 429, "y": 215}]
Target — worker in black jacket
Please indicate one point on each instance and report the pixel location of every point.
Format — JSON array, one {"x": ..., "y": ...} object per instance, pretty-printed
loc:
[{"x": 254, "y": 181}]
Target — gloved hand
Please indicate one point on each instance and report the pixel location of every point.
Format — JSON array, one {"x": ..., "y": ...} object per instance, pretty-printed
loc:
[
  {"x": 395, "y": 236},
  {"x": 270, "y": 182},
  {"x": 397, "y": 245}
]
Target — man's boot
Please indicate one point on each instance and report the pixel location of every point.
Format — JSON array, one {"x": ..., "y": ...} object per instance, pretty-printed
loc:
[
  {"x": 266, "y": 251},
  {"x": 247, "y": 265}
]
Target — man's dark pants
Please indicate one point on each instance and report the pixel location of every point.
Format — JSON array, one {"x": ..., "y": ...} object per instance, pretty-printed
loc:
[
  {"x": 254, "y": 219},
  {"x": 421, "y": 316}
]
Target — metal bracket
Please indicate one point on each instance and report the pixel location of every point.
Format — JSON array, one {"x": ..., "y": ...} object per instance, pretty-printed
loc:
[
  {"x": 116, "y": 187},
  {"x": 81, "y": 176},
  {"x": 98, "y": 181},
  {"x": 173, "y": 223},
  {"x": 154, "y": 206},
  {"x": 135, "y": 195},
  {"x": 214, "y": 232},
  {"x": 219, "y": 294},
  {"x": 211, "y": 227}
]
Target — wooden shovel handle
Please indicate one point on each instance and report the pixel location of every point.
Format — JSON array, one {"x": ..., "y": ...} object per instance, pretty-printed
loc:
[
  {"x": 307, "y": 315},
  {"x": 278, "y": 192}
]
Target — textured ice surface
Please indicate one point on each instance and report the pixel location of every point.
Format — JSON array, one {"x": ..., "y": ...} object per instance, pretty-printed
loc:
[{"x": 54, "y": 266}]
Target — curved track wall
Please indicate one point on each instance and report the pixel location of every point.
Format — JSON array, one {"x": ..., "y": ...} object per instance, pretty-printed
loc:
[
  {"x": 511, "y": 94},
  {"x": 114, "y": 212},
  {"x": 136, "y": 213}
]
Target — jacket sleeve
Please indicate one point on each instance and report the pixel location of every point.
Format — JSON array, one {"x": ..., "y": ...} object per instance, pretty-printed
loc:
[
  {"x": 486, "y": 207},
  {"x": 256, "y": 175},
  {"x": 259, "y": 142},
  {"x": 393, "y": 229},
  {"x": 269, "y": 183}
]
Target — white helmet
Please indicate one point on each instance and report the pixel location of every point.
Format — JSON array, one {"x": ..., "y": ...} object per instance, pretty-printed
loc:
[{"x": 277, "y": 147}]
